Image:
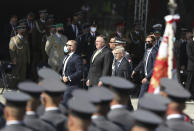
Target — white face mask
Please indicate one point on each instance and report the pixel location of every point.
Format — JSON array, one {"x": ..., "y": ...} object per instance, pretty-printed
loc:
[
  {"x": 65, "y": 49},
  {"x": 93, "y": 29}
]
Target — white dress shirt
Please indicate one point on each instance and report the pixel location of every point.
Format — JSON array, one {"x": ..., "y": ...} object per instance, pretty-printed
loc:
[
  {"x": 13, "y": 122},
  {"x": 118, "y": 106},
  {"x": 66, "y": 60}
]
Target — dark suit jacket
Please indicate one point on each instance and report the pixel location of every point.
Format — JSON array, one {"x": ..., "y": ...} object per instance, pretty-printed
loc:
[
  {"x": 33, "y": 122},
  {"x": 74, "y": 70},
  {"x": 150, "y": 64},
  {"x": 124, "y": 69},
  {"x": 101, "y": 66},
  {"x": 86, "y": 43},
  {"x": 121, "y": 117},
  {"x": 190, "y": 53},
  {"x": 70, "y": 33}
]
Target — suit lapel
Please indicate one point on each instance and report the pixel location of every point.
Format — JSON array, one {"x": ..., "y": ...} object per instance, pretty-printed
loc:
[
  {"x": 69, "y": 60},
  {"x": 97, "y": 55}
]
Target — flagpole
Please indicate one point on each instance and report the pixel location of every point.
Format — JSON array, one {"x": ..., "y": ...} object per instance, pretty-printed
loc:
[{"x": 172, "y": 7}]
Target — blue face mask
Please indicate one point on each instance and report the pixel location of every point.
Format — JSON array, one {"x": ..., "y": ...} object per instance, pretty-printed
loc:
[{"x": 65, "y": 49}]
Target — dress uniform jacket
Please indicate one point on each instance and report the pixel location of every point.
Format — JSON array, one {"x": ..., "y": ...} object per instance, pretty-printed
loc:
[
  {"x": 102, "y": 123},
  {"x": 33, "y": 122},
  {"x": 121, "y": 117},
  {"x": 20, "y": 54},
  {"x": 16, "y": 127},
  {"x": 55, "y": 50},
  {"x": 55, "y": 118}
]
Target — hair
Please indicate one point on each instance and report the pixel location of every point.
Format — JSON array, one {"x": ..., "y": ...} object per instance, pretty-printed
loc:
[
  {"x": 152, "y": 37},
  {"x": 120, "y": 48},
  {"x": 103, "y": 37},
  {"x": 33, "y": 103},
  {"x": 16, "y": 112}
]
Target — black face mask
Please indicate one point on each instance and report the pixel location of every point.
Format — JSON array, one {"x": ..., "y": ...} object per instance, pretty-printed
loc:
[
  {"x": 60, "y": 31},
  {"x": 148, "y": 45}
]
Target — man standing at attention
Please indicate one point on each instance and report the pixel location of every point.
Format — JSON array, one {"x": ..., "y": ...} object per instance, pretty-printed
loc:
[
  {"x": 100, "y": 63},
  {"x": 55, "y": 48}
]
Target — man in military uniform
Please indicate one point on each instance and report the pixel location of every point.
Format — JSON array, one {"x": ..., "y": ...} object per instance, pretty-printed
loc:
[
  {"x": 38, "y": 43},
  {"x": 119, "y": 109},
  {"x": 51, "y": 98},
  {"x": 15, "y": 110},
  {"x": 101, "y": 98},
  {"x": 31, "y": 119},
  {"x": 19, "y": 53},
  {"x": 55, "y": 48},
  {"x": 80, "y": 112}
]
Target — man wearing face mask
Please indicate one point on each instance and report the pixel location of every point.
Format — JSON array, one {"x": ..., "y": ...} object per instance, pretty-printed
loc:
[
  {"x": 72, "y": 69},
  {"x": 89, "y": 41},
  {"x": 54, "y": 48},
  {"x": 19, "y": 53},
  {"x": 147, "y": 64}
]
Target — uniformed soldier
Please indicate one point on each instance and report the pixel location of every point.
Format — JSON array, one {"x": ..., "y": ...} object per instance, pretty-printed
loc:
[
  {"x": 19, "y": 53},
  {"x": 52, "y": 30},
  {"x": 155, "y": 103},
  {"x": 47, "y": 73},
  {"x": 178, "y": 95},
  {"x": 119, "y": 113},
  {"x": 145, "y": 121},
  {"x": 15, "y": 110},
  {"x": 39, "y": 41},
  {"x": 55, "y": 48},
  {"x": 51, "y": 98},
  {"x": 80, "y": 112},
  {"x": 101, "y": 99},
  {"x": 31, "y": 119}
]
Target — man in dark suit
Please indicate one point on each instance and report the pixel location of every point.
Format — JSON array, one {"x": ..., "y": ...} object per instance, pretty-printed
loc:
[
  {"x": 190, "y": 66},
  {"x": 122, "y": 66},
  {"x": 101, "y": 63},
  {"x": 72, "y": 69},
  {"x": 72, "y": 30},
  {"x": 87, "y": 41},
  {"x": 147, "y": 64}
]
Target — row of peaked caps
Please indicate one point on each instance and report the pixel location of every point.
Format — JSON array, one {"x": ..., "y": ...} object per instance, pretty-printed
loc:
[{"x": 151, "y": 106}]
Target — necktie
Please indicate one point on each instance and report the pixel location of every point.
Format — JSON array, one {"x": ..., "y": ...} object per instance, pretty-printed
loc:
[
  {"x": 116, "y": 66},
  {"x": 65, "y": 63},
  {"x": 97, "y": 52}
]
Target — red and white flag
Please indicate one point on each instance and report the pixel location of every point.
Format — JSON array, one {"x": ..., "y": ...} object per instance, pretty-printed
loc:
[{"x": 161, "y": 63}]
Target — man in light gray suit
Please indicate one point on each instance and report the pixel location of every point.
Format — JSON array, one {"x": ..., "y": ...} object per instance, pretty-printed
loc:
[{"x": 15, "y": 110}]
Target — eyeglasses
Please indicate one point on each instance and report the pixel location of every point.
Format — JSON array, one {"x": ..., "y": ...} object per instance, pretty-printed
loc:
[{"x": 148, "y": 41}]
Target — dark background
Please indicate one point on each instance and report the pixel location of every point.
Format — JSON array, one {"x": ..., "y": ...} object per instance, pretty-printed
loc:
[{"x": 61, "y": 8}]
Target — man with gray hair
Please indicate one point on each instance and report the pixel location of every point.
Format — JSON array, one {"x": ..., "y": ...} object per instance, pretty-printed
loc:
[{"x": 121, "y": 66}]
